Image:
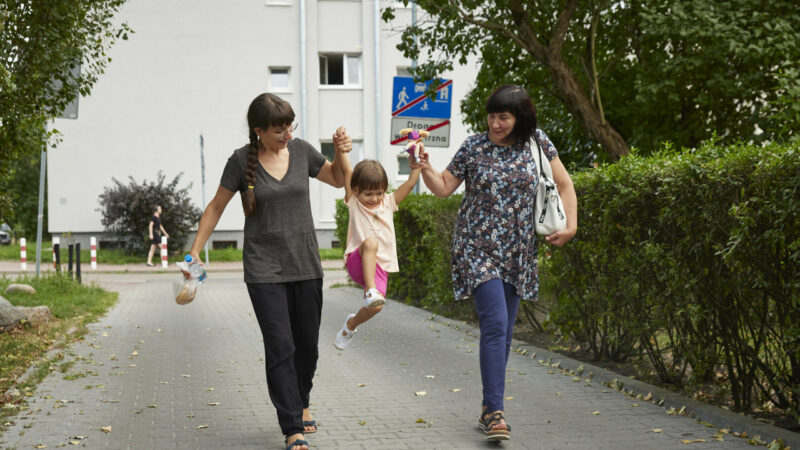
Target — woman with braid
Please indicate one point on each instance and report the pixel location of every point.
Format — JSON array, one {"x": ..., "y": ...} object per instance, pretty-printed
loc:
[{"x": 282, "y": 268}]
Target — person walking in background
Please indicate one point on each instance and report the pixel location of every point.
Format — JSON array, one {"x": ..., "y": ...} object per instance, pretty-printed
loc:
[
  {"x": 281, "y": 259},
  {"x": 156, "y": 229},
  {"x": 495, "y": 249},
  {"x": 371, "y": 251}
]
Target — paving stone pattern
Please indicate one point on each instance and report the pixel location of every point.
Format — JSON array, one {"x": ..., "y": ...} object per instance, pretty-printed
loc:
[{"x": 192, "y": 377}]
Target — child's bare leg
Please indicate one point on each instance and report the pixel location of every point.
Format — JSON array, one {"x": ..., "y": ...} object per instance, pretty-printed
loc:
[
  {"x": 369, "y": 258},
  {"x": 363, "y": 315}
]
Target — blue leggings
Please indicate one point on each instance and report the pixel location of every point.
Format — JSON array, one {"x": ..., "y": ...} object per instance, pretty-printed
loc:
[{"x": 497, "y": 303}]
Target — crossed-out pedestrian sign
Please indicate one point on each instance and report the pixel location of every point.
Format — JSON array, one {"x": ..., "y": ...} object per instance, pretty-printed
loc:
[{"x": 409, "y": 100}]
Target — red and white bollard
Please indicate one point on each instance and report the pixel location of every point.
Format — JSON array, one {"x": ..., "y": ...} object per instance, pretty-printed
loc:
[
  {"x": 163, "y": 251},
  {"x": 23, "y": 255},
  {"x": 55, "y": 243},
  {"x": 93, "y": 244}
]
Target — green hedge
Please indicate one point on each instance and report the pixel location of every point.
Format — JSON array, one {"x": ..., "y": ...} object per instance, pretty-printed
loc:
[{"x": 692, "y": 259}]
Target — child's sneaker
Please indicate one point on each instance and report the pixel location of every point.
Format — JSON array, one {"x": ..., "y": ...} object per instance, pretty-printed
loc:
[
  {"x": 373, "y": 298},
  {"x": 344, "y": 335}
]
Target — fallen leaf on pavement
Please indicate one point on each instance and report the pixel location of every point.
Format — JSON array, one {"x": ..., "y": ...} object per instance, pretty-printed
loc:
[
  {"x": 213, "y": 404},
  {"x": 596, "y": 413},
  {"x": 363, "y": 422},
  {"x": 421, "y": 394},
  {"x": 648, "y": 397},
  {"x": 106, "y": 429},
  {"x": 201, "y": 427},
  {"x": 455, "y": 390},
  {"x": 421, "y": 421},
  {"x": 686, "y": 441},
  {"x": 657, "y": 430},
  {"x": 430, "y": 377},
  {"x": 510, "y": 397},
  {"x": 152, "y": 405}
]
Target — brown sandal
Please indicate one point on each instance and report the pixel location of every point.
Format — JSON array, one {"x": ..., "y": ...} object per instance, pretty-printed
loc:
[{"x": 494, "y": 434}]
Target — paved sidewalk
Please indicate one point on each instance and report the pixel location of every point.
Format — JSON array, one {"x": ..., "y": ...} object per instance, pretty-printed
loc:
[{"x": 192, "y": 377}]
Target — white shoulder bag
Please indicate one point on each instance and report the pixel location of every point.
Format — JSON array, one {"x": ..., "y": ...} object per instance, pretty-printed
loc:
[{"x": 548, "y": 211}]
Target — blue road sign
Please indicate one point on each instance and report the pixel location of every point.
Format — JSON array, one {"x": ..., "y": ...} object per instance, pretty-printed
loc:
[{"x": 409, "y": 100}]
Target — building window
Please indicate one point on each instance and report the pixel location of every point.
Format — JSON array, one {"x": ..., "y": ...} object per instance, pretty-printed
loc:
[
  {"x": 219, "y": 245},
  {"x": 279, "y": 79},
  {"x": 356, "y": 154},
  {"x": 402, "y": 166},
  {"x": 327, "y": 150},
  {"x": 338, "y": 69}
]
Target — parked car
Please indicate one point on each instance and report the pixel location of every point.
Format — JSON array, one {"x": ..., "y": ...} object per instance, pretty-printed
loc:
[{"x": 5, "y": 238}]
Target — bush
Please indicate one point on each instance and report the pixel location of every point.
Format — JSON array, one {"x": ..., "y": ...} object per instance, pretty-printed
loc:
[
  {"x": 692, "y": 259},
  {"x": 127, "y": 210}
]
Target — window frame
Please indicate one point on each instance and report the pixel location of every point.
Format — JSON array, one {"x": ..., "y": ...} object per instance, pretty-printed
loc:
[
  {"x": 345, "y": 70},
  {"x": 279, "y": 89}
]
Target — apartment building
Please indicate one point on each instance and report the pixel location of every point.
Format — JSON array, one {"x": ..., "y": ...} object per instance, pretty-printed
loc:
[{"x": 192, "y": 67}]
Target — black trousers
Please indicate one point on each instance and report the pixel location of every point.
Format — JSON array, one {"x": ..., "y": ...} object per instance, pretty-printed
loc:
[{"x": 289, "y": 316}]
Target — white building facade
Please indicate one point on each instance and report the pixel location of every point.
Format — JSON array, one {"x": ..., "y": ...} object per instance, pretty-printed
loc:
[{"x": 192, "y": 68}]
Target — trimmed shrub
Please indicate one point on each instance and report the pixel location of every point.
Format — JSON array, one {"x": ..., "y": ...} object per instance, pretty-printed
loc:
[
  {"x": 127, "y": 210},
  {"x": 692, "y": 259}
]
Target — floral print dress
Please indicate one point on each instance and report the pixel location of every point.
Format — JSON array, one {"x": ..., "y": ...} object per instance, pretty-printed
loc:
[{"x": 493, "y": 235}]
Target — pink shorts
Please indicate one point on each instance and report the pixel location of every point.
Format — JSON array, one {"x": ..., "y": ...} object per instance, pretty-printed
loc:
[{"x": 356, "y": 272}]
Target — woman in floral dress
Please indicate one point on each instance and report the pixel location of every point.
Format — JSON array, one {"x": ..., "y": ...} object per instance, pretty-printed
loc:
[{"x": 494, "y": 242}]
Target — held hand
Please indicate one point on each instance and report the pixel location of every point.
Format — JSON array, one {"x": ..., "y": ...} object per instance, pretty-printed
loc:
[
  {"x": 559, "y": 238},
  {"x": 195, "y": 257},
  {"x": 342, "y": 143},
  {"x": 423, "y": 160}
]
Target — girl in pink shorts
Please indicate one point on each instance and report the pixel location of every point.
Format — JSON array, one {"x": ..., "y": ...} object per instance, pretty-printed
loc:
[{"x": 371, "y": 251}]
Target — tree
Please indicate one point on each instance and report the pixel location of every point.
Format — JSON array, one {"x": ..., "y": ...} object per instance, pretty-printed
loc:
[
  {"x": 127, "y": 209},
  {"x": 42, "y": 42},
  {"x": 622, "y": 73}
]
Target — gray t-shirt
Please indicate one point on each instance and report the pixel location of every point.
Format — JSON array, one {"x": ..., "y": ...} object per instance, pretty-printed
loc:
[{"x": 280, "y": 243}]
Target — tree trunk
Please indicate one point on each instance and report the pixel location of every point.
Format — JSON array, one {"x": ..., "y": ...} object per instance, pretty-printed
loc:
[{"x": 571, "y": 93}]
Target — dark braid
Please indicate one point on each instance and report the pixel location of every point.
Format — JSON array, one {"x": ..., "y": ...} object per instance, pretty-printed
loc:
[{"x": 249, "y": 198}]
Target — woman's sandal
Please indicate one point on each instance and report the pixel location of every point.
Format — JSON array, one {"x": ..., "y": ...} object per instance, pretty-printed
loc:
[
  {"x": 494, "y": 434},
  {"x": 296, "y": 443},
  {"x": 309, "y": 423}
]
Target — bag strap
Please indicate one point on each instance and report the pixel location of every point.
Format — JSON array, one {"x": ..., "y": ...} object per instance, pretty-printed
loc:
[{"x": 538, "y": 160}]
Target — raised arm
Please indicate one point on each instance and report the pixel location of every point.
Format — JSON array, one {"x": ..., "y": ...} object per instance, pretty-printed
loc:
[
  {"x": 404, "y": 189},
  {"x": 334, "y": 173},
  {"x": 209, "y": 220},
  {"x": 442, "y": 183}
]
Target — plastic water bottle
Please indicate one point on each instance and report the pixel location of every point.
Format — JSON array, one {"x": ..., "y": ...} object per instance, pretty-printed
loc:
[
  {"x": 186, "y": 290},
  {"x": 194, "y": 268}
]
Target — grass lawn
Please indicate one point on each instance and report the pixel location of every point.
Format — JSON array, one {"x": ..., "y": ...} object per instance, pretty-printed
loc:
[
  {"x": 72, "y": 305},
  {"x": 116, "y": 256}
]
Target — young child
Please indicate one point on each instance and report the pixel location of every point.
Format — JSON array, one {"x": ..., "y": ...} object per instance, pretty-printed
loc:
[{"x": 371, "y": 252}]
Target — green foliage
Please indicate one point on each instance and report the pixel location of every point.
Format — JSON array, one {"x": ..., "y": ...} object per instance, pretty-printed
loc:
[
  {"x": 127, "y": 210},
  {"x": 667, "y": 71},
  {"x": 41, "y": 42},
  {"x": 692, "y": 259},
  {"x": 21, "y": 187}
]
